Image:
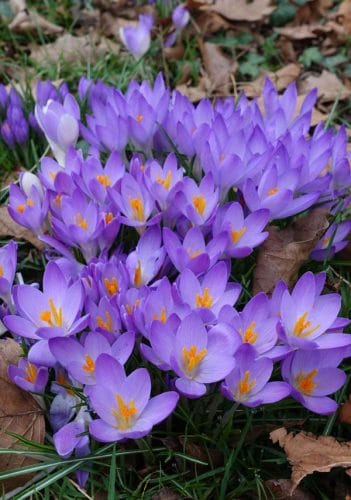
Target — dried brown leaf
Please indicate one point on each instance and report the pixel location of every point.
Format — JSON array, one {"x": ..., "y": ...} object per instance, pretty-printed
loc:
[
  {"x": 28, "y": 21},
  {"x": 280, "y": 78},
  {"x": 308, "y": 453},
  {"x": 110, "y": 24},
  {"x": 242, "y": 10},
  {"x": 210, "y": 22},
  {"x": 19, "y": 413},
  {"x": 284, "y": 251},
  {"x": 345, "y": 412},
  {"x": 219, "y": 68},
  {"x": 174, "y": 53},
  {"x": 73, "y": 49},
  {"x": 328, "y": 84},
  {"x": 344, "y": 16},
  {"x": 280, "y": 489},
  {"x": 166, "y": 494},
  {"x": 194, "y": 94},
  {"x": 8, "y": 227}
]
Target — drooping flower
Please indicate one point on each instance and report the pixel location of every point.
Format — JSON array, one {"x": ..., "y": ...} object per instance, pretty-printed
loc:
[
  {"x": 332, "y": 241},
  {"x": 29, "y": 376},
  {"x": 137, "y": 39}
]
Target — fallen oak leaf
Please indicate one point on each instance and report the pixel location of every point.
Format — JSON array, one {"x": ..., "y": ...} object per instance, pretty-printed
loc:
[
  {"x": 242, "y": 10},
  {"x": 281, "y": 79},
  {"x": 328, "y": 84},
  {"x": 19, "y": 414},
  {"x": 27, "y": 20},
  {"x": 308, "y": 453},
  {"x": 8, "y": 227},
  {"x": 284, "y": 251},
  {"x": 219, "y": 68}
]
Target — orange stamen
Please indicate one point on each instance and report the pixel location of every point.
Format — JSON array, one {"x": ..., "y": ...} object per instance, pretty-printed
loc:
[{"x": 205, "y": 300}]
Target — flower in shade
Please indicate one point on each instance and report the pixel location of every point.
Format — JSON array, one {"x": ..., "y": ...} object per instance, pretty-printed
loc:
[
  {"x": 312, "y": 375},
  {"x": 306, "y": 316},
  {"x": 137, "y": 38},
  {"x": 248, "y": 383},
  {"x": 29, "y": 210},
  {"x": 123, "y": 402},
  {"x": 29, "y": 376},
  {"x": 197, "y": 356},
  {"x": 180, "y": 16},
  {"x": 243, "y": 233},
  {"x": 8, "y": 262},
  {"x": 79, "y": 359},
  {"x": 332, "y": 241}
]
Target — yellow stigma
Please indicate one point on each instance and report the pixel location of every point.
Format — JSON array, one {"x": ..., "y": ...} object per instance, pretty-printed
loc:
[
  {"x": 52, "y": 316},
  {"x": 272, "y": 191},
  {"x": 137, "y": 275},
  {"x": 304, "y": 382},
  {"x": 237, "y": 235},
  {"x": 1, "y": 271},
  {"x": 137, "y": 208},
  {"x": 58, "y": 200},
  {"x": 161, "y": 317},
  {"x": 80, "y": 221},
  {"x": 302, "y": 326},
  {"x": 191, "y": 358},
  {"x": 139, "y": 118},
  {"x": 249, "y": 336},
  {"x": 21, "y": 208},
  {"x": 111, "y": 285},
  {"x": 31, "y": 373},
  {"x": 205, "y": 300},
  {"x": 245, "y": 385},
  {"x": 124, "y": 413},
  {"x": 52, "y": 175},
  {"x": 131, "y": 307},
  {"x": 108, "y": 217},
  {"x": 104, "y": 180},
  {"x": 89, "y": 365},
  {"x": 166, "y": 183},
  {"x": 61, "y": 380},
  {"x": 194, "y": 253},
  {"x": 325, "y": 242},
  {"x": 199, "y": 203},
  {"x": 105, "y": 325},
  {"x": 30, "y": 202}
]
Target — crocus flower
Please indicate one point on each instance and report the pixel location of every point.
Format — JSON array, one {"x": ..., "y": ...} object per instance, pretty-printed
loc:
[
  {"x": 196, "y": 356},
  {"x": 137, "y": 39},
  {"x": 8, "y": 262},
  {"x": 198, "y": 203},
  {"x": 248, "y": 383},
  {"x": 123, "y": 402},
  {"x": 163, "y": 182},
  {"x": 332, "y": 241},
  {"x": 30, "y": 210},
  {"x": 306, "y": 316},
  {"x": 60, "y": 124},
  {"x": 180, "y": 16},
  {"x": 29, "y": 376},
  {"x": 312, "y": 375}
]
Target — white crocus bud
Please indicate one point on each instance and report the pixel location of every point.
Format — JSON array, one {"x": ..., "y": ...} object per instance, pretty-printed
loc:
[{"x": 27, "y": 181}]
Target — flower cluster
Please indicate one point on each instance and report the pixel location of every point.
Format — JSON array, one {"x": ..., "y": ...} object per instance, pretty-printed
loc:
[{"x": 141, "y": 232}]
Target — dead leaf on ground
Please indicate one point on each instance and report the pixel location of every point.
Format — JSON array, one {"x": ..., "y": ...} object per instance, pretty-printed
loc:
[
  {"x": 210, "y": 22},
  {"x": 328, "y": 84},
  {"x": 174, "y": 53},
  {"x": 344, "y": 413},
  {"x": 28, "y": 21},
  {"x": 344, "y": 15},
  {"x": 285, "y": 251},
  {"x": 308, "y": 453},
  {"x": 257, "y": 10},
  {"x": 8, "y": 227},
  {"x": 19, "y": 413},
  {"x": 110, "y": 24},
  {"x": 194, "y": 94},
  {"x": 73, "y": 49},
  {"x": 166, "y": 494},
  {"x": 281, "y": 79},
  {"x": 280, "y": 489},
  {"x": 219, "y": 68}
]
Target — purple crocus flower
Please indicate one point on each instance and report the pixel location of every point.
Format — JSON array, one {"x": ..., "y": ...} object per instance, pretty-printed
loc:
[
  {"x": 28, "y": 210},
  {"x": 180, "y": 16},
  {"x": 29, "y": 376},
  {"x": 306, "y": 316},
  {"x": 137, "y": 39},
  {"x": 243, "y": 233},
  {"x": 198, "y": 203},
  {"x": 8, "y": 262},
  {"x": 123, "y": 402},
  {"x": 248, "y": 382},
  {"x": 196, "y": 356},
  {"x": 163, "y": 182},
  {"x": 80, "y": 359},
  {"x": 312, "y": 375},
  {"x": 60, "y": 124},
  {"x": 332, "y": 241},
  {"x": 7, "y": 134}
]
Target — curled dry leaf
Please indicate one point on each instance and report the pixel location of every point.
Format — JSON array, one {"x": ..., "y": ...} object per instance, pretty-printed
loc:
[
  {"x": 19, "y": 413},
  {"x": 219, "y": 68},
  {"x": 281, "y": 79},
  {"x": 242, "y": 10},
  {"x": 308, "y": 453},
  {"x": 284, "y": 251},
  {"x": 329, "y": 87},
  {"x": 8, "y": 227},
  {"x": 73, "y": 49},
  {"x": 26, "y": 21},
  {"x": 344, "y": 15}
]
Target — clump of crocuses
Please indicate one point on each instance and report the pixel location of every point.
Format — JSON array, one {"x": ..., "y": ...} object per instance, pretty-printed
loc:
[{"x": 143, "y": 228}]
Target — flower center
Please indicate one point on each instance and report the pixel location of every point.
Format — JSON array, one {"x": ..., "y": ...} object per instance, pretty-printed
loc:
[
  {"x": 111, "y": 285},
  {"x": 57, "y": 200},
  {"x": 1, "y": 271},
  {"x": 139, "y": 118},
  {"x": 80, "y": 221},
  {"x": 31, "y": 373},
  {"x": 104, "y": 180},
  {"x": 191, "y": 358},
  {"x": 108, "y": 217},
  {"x": 52, "y": 316},
  {"x": 89, "y": 365},
  {"x": 244, "y": 386},
  {"x": 304, "y": 382},
  {"x": 301, "y": 327},
  {"x": 105, "y": 325},
  {"x": 21, "y": 208},
  {"x": 272, "y": 191},
  {"x": 124, "y": 413},
  {"x": 166, "y": 183},
  {"x": 199, "y": 203},
  {"x": 137, "y": 275},
  {"x": 237, "y": 234},
  {"x": 205, "y": 300},
  {"x": 161, "y": 317},
  {"x": 249, "y": 335},
  {"x": 137, "y": 208},
  {"x": 325, "y": 241},
  {"x": 193, "y": 253}
]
